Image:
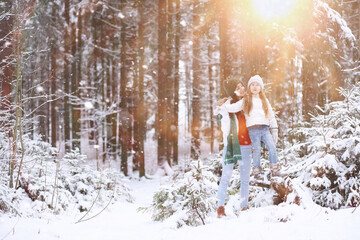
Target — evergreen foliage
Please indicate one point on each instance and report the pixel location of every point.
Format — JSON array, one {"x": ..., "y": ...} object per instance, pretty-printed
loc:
[
  {"x": 189, "y": 199},
  {"x": 58, "y": 184},
  {"x": 331, "y": 165}
]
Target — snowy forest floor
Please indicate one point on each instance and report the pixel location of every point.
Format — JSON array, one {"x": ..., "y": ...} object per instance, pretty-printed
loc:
[{"x": 121, "y": 220}]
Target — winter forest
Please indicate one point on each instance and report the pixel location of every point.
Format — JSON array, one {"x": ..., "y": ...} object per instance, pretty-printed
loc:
[{"x": 107, "y": 112}]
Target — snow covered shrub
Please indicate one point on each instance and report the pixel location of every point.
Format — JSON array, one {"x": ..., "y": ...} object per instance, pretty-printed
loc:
[
  {"x": 34, "y": 151},
  {"x": 49, "y": 183},
  {"x": 189, "y": 199},
  {"x": 331, "y": 167},
  {"x": 214, "y": 162},
  {"x": 73, "y": 183},
  {"x": 11, "y": 201},
  {"x": 4, "y": 205}
]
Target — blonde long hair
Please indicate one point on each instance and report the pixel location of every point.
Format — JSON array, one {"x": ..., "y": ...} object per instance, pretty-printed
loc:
[{"x": 248, "y": 104}]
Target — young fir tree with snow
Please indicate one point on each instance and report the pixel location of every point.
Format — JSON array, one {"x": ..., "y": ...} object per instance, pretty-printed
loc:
[
  {"x": 331, "y": 164},
  {"x": 189, "y": 199},
  {"x": 57, "y": 185}
]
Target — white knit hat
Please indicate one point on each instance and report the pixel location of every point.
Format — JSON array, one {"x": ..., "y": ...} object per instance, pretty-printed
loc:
[{"x": 257, "y": 79}]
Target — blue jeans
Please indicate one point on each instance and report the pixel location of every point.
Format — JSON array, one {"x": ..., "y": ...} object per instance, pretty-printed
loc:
[
  {"x": 244, "y": 177},
  {"x": 260, "y": 134}
]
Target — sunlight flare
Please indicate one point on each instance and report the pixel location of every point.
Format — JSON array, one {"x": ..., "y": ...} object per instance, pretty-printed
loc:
[{"x": 272, "y": 9}]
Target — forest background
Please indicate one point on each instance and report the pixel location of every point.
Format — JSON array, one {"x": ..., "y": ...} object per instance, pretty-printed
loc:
[{"x": 131, "y": 85}]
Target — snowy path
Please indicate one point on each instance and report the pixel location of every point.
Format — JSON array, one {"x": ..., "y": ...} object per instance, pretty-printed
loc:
[{"x": 122, "y": 221}]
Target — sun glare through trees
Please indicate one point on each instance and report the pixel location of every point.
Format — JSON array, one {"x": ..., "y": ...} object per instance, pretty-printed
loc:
[{"x": 273, "y": 9}]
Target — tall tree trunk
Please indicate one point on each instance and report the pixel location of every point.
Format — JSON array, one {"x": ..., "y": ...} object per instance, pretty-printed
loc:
[
  {"x": 108, "y": 122},
  {"x": 115, "y": 83},
  {"x": 104, "y": 77},
  {"x": 225, "y": 70},
  {"x": 195, "y": 103},
  {"x": 170, "y": 79},
  {"x": 17, "y": 93},
  {"x": 75, "y": 111},
  {"x": 211, "y": 92},
  {"x": 53, "y": 79},
  {"x": 32, "y": 102},
  {"x": 111, "y": 86},
  {"x": 80, "y": 49},
  {"x": 6, "y": 57},
  {"x": 42, "y": 111},
  {"x": 140, "y": 111},
  {"x": 162, "y": 115},
  {"x": 94, "y": 136},
  {"x": 310, "y": 88},
  {"x": 175, "y": 130},
  {"x": 123, "y": 106},
  {"x": 67, "y": 126}
]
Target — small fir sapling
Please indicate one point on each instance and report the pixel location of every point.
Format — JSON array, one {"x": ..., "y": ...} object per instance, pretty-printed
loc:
[
  {"x": 331, "y": 166},
  {"x": 76, "y": 183},
  {"x": 187, "y": 201}
]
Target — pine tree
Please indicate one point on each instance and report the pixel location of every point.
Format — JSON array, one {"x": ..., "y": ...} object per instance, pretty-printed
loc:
[{"x": 331, "y": 167}]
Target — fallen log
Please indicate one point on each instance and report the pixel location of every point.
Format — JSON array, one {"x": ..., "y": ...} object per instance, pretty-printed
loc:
[{"x": 282, "y": 186}]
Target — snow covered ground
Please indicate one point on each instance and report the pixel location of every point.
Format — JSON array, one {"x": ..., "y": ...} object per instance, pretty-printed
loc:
[{"x": 122, "y": 221}]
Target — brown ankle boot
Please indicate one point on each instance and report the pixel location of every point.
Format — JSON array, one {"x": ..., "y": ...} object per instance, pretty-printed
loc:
[
  {"x": 245, "y": 208},
  {"x": 221, "y": 212}
]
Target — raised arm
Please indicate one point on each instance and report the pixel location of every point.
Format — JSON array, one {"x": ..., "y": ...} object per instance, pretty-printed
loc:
[{"x": 235, "y": 107}]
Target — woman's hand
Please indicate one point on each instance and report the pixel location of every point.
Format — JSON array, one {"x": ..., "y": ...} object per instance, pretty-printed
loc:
[
  {"x": 275, "y": 134},
  {"x": 222, "y": 101}
]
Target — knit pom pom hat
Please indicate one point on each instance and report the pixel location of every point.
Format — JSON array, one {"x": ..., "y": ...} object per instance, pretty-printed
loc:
[{"x": 257, "y": 79}]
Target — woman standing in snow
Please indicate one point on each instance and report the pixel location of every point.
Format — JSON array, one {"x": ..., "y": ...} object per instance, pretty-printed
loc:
[
  {"x": 260, "y": 120},
  {"x": 237, "y": 145}
]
